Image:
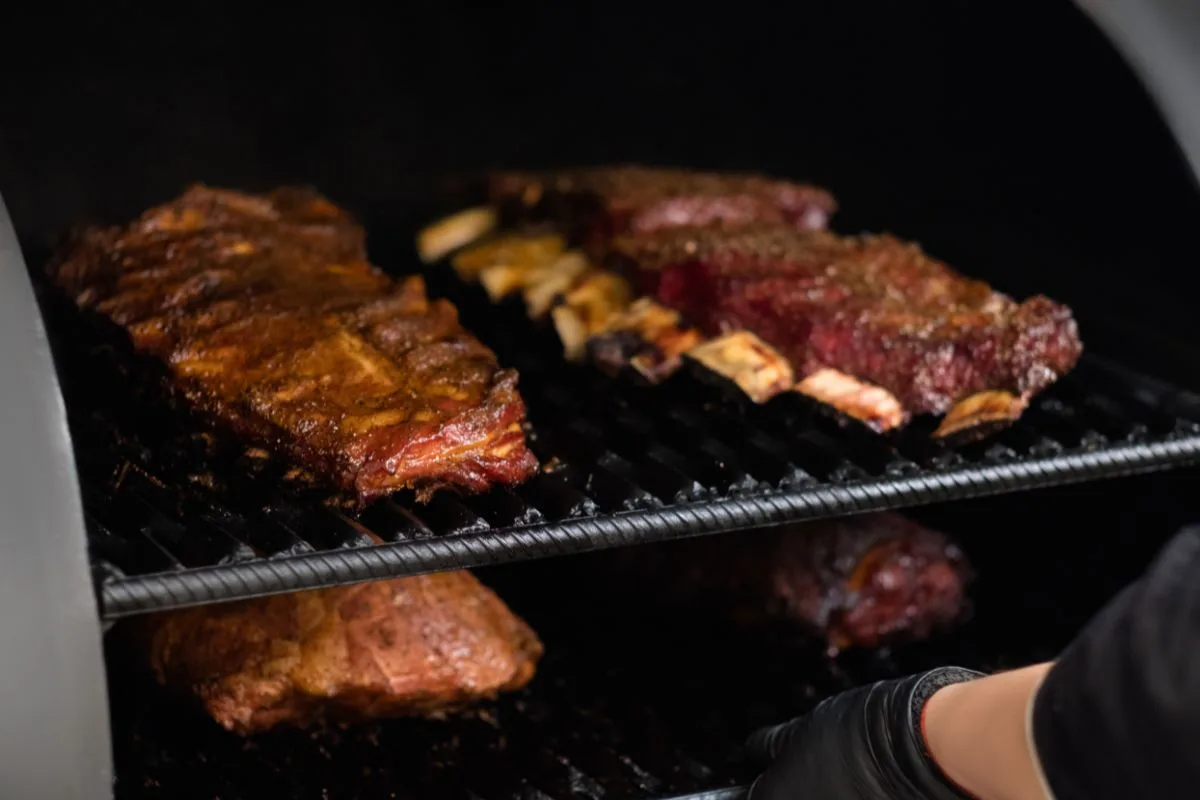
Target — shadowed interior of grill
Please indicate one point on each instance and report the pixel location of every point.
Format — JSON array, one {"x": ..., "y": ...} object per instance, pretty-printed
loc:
[
  {"x": 631, "y": 700},
  {"x": 178, "y": 516},
  {"x": 636, "y": 701},
  {"x": 923, "y": 130}
]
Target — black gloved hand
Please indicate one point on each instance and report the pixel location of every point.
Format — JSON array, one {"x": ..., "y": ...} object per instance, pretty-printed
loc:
[{"x": 864, "y": 744}]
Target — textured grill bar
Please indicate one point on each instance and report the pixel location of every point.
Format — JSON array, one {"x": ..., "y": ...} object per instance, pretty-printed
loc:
[
  {"x": 308, "y": 568},
  {"x": 630, "y": 463}
]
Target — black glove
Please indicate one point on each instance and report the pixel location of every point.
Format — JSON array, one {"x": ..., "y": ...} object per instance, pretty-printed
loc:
[{"x": 864, "y": 744}]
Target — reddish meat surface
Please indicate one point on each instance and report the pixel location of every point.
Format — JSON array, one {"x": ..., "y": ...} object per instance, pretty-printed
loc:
[
  {"x": 270, "y": 319},
  {"x": 405, "y": 646},
  {"x": 873, "y": 307},
  {"x": 601, "y": 202},
  {"x": 860, "y": 581}
]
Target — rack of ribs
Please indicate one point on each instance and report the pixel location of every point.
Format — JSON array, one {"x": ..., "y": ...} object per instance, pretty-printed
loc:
[
  {"x": 270, "y": 320},
  {"x": 409, "y": 646},
  {"x": 867, "y": 324},
  {"x": 856, "y": 314},
  {"x": 601, "y": 202},
  {"x": 858, "y": 582}
]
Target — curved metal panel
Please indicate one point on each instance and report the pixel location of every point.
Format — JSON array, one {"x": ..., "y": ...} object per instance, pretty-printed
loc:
[
  {"x": 1161, "y": 41},
  {"x": 54, "y": 732}
]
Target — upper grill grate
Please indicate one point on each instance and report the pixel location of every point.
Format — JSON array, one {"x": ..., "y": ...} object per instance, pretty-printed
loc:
[{"x": 179, "y": 518}]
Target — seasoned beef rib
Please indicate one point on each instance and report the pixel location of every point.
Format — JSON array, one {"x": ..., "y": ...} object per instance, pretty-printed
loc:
[
  {"x": 872, "y": 307},
  {"x": 601, "y": 202}
]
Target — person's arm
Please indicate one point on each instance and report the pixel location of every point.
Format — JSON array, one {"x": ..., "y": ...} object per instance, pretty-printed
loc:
[
  {"x": 978, "y": 735},
  {"x": 1118, "y": 715}
]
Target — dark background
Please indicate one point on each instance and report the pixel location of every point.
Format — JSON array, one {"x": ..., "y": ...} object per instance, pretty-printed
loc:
[{"x": 1008, "y": 138}]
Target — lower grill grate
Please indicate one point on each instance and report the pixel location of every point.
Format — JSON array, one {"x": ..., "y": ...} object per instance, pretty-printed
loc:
[
  {"x": 635, "y": 700},
  {"x": 563, "y": 738},
  {"x": 178, "y": 518},
  {"x": 613, "y": 713},
  {"x": 628, "y": 714}
]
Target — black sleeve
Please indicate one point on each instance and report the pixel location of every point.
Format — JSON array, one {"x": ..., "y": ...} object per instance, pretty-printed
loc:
[{"x": 1119, "y": 714}]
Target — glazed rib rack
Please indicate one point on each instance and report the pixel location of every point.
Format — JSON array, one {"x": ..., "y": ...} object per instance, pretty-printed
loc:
[{"x": 179, "y": 518}]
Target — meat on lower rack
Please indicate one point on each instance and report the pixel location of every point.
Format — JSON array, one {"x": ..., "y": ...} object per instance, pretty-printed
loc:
[
  {"x": 873, "y": 308},
  {"x": 600, "y": 202},
  {"x": 408, "y": 646},
  {"x": 859, "y": 582},
  {"x": 270, "y": 319}
]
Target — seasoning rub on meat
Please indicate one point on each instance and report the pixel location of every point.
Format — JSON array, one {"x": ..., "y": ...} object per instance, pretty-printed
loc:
[
  {"x": 597, "y": 203},
  {"x": 408, "y": 646},
  {"x": 738, "y": 272},
  {"x": 873, "y": 308}
]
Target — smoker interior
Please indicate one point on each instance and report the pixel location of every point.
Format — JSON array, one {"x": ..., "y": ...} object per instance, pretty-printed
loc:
[
  {"x": 178, "y": 516},
  {"x": 639, "y": 701},
  {"x": 918, "y": 117},
  {"x": 1009, "y": 139}
]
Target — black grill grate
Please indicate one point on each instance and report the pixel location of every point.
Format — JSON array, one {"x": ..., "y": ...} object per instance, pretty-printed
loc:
[
  {"x": 567, "y": 736},
  {"x": 616, "y": 711},
  {"x": 640, "y": 700},
  {"x": 633, "y": 464},
  {"x": 619, "y": 709}
]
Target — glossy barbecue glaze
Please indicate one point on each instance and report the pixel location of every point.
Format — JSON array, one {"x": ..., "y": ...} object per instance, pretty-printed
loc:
[
  {"x": 873, "y": 307},
  {"x": 409, "y": 646},
  {"x": 271, "y": 319}
]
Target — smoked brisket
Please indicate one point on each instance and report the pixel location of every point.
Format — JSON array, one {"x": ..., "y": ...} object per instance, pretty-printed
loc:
[{"x": 408, "y": 646}]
